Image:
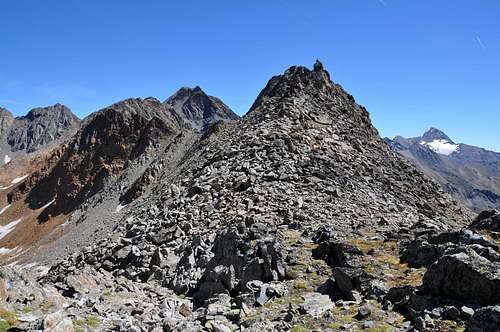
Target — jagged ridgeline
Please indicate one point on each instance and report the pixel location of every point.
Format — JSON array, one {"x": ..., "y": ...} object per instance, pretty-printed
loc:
[{"x": 258, "y": 223}]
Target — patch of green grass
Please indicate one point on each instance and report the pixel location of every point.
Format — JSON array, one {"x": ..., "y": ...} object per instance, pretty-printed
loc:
[
  {"x": 4, "y": 325},
  {"x": 299, "y": 328},
  {"x": 382, "y": 328},
  {"x": 93, "y": 321},
  {"x": 8, "y": 316},
  {"x": 335, "y": 325},
  {"x": 300, "y": 284},
  {"x": 365, "y": 246},
  {"x": 26, "y": 310},
  {"x": 89, "y": 321}
]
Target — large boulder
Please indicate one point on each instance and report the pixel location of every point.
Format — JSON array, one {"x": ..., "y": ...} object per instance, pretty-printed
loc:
[
  {"x": 316, "y": 304},
  {"x": 239, "y": 258},
  {"x": 466, "y": 277},
  {"x": 487, "y": 220},
  {"x": 427, "y": 249},
  {"x": 486, "y": 319}
]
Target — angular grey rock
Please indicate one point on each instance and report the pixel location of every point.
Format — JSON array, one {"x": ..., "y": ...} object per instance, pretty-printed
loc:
[
  {"x": 426, "y": 249},
  {"x": 466, "y": 277},
  {"x": 487, "y": 220},
  {"x": 351, "y": 280},
  {"x": 316, "y": 304},
  {"x": 337, "y": 254},
  {"x": 364, "y": 312}
]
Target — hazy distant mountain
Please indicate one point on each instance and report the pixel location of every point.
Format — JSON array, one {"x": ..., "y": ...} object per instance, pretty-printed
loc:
[{"x": 469, "y": 173}]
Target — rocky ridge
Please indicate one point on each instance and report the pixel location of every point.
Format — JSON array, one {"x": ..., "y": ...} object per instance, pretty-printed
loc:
[
  {"x": 111, "y": 161},
  {"x": 292, "y": 218}
]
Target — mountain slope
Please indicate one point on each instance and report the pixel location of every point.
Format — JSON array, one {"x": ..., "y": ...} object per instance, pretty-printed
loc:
[
  {"x": 470, "y": 174},
  {"x": 108, "y": 163}
]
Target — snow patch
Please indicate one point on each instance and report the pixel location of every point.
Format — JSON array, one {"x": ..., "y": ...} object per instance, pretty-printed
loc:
[
  {"x": 48, "y": 204},
  {"x": 4, "y": 209},
  {"x": 441, "y": 146},
  {"x": 120, "y": 207},
  {"x": 6, "y": 159},
  {"x": 4, "y": 230},
  {"x": 19, "y": 179},
  {"x": 4, "y": 251}
]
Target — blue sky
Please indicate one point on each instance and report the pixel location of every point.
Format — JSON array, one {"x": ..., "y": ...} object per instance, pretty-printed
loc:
[{"x": 413, "y": 64}]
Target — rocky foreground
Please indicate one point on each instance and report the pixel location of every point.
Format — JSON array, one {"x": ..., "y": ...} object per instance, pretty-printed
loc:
[{"x": 297, "y": 217}]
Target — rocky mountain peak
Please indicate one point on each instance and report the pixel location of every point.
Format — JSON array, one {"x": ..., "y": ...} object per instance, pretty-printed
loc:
[
  {"x": 299, "y": 200},
  {"x": 40, "y": 127},
  {"x": 435, "y": 134},
  {"x": 198, "y": 109},
  {"x": 297, "y": 81},
  {"x": 56, "y": 110},
  {"x": 308, "y": 97},
  {"x": 108, "y": 141}
]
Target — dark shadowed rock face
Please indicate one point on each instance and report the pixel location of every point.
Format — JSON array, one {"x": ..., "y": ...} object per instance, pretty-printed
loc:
[
  {"x": 470, "y": 174},
  {"x": 198, "y": 109},
  {"x": 108, "y": 140},
  {"x": 40, "y": 127}
]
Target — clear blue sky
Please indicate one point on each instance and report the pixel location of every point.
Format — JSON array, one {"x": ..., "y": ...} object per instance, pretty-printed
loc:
[{"x": 413, "y": 64}]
